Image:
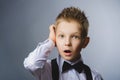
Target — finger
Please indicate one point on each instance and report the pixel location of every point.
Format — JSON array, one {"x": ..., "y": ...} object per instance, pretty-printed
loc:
[
  {"x": 52, "y": 33},
  {"x": 52, "y": 28}
]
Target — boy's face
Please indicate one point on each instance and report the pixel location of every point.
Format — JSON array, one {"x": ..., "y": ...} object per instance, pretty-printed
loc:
[{"x": 68, "y": 40}]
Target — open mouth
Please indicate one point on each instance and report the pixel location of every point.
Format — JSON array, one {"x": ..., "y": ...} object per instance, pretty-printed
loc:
[{"x": 67, "y": 51}]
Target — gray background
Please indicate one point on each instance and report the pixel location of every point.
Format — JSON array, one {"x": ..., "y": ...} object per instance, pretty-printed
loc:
[{"x": 24, "y": 23}]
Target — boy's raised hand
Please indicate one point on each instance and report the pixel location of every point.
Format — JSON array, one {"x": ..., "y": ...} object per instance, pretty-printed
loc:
[{"x": 52, "y": 33}]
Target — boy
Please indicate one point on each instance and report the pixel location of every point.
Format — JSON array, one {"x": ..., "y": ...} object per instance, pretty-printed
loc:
[{"x": 69, "y": 35}]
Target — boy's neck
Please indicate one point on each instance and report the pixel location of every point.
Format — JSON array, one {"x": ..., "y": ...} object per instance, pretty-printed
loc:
[{"x": 74, "y": 61}]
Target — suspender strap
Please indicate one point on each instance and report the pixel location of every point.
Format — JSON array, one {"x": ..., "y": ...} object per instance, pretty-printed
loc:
[
  {"x": 88, "y": 72},
  {"x": 55, "y": 70}
]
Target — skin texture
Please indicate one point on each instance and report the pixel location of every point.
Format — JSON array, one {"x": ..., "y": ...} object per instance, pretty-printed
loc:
[{"x": 67, "y": 37}]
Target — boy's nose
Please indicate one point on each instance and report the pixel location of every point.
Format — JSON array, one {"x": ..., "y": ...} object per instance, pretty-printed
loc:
[{"x": 67, "y": 42}]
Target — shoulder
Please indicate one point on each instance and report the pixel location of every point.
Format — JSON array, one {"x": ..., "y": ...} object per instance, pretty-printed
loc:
[{"x": 96, "y": 75}]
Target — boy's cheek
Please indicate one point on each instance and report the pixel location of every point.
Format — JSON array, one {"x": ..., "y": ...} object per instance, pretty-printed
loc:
[{"x": 57, "y": 45}]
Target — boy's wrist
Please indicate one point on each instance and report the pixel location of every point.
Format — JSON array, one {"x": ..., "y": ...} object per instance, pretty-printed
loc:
[
  {"x": 52, "y": 40},
  {"x": 51, "y": 43}
]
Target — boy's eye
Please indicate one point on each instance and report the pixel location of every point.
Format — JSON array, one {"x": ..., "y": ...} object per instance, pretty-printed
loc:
[
  {"x": 61, "y": 36},
  {"x": 75, "y": 37}
]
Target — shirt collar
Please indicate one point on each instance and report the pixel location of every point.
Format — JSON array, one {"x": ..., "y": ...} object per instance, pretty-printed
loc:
[{"x": 61, "y": 60}]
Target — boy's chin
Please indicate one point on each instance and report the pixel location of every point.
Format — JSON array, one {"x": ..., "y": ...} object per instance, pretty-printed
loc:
[
  {"x": 71, "y": 59},
  {"x": 68, "y": 59}
]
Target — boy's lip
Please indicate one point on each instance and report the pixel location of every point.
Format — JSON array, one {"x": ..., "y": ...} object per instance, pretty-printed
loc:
[{"x": 67, "y": 52}]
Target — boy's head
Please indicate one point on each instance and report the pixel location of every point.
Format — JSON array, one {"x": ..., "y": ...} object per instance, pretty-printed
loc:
[
  {"x": 74, "y": 14},
  {"x": 71, "y": 33}
]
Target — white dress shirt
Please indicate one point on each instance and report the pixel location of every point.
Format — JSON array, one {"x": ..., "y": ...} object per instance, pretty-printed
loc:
[{"x": 38, "y": 64}]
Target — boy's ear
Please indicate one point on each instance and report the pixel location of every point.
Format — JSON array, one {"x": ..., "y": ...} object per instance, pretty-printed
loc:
[{"x": 86, "y": 41}]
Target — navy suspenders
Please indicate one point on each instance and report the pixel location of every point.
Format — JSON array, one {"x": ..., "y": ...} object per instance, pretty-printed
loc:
[
  {"x": 55, "y": 71},
  {"x": 88, "y": 72}
]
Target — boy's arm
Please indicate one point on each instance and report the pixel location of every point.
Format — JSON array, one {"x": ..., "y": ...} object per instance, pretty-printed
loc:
[{"x": 37, "y": 59}]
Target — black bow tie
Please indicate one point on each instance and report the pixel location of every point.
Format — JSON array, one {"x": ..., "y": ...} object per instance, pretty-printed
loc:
[{"x": 78, "y": 66}]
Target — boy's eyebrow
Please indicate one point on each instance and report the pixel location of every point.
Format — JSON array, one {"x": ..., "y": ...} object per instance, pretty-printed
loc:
[
  {"x": 72, "y": 33},
  {"x": 60, "y": 32},
  {"x": 77, "y": 32}
]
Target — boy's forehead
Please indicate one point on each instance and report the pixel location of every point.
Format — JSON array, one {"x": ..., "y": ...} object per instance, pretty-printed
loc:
[
  {"x": 68, "y": 26},
  {"x": 67, "y": 22}
]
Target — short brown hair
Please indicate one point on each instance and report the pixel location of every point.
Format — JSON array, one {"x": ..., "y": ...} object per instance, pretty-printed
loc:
[{"x": 72, "y": 13}]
